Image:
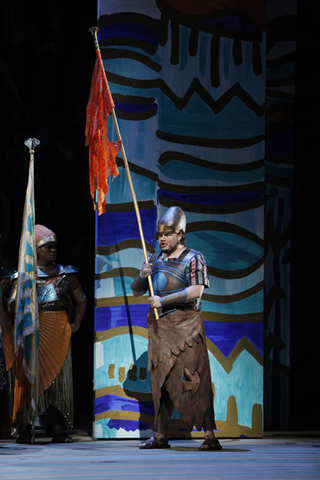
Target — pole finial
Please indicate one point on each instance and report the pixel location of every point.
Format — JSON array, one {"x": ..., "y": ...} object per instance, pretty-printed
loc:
[
  {"x": 94, "y": 33},
  {"x": 32, "y": 143}
]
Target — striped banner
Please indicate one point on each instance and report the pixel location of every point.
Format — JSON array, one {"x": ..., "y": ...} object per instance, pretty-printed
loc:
[{"x": 27, "y": 316}]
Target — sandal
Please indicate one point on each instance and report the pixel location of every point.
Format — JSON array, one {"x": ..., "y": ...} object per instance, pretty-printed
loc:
[
  {"x": 61, "y": 438},
  {"x": 153, "y": 442},
  {"x": 210, "y": 444}
]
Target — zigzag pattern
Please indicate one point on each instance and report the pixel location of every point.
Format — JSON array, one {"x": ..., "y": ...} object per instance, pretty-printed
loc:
[
  {"x": 216, "y": 106},
  {"x": 195, "y": 141}
]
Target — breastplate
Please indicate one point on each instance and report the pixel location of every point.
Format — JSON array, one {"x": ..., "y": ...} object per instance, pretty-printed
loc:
[
  {"x": 53, "y": 293},
  {"x": 53, "y": 288},
  {"x": 169, "y": 276}
]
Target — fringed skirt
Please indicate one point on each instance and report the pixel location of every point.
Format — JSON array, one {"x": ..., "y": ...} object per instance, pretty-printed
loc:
[
  {"x": 55, "y": 372},
  {"x": 177, "y": 340},
  {"x": 59, "y": 395}
]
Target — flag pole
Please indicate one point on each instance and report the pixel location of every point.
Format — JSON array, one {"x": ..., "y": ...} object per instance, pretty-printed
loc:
[
  {"x": 32, "y": 143},
  {"x": 94, "y": 31}
]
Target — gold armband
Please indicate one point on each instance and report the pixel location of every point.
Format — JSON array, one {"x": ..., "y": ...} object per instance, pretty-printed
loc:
[{"x": 78, "y": 294}]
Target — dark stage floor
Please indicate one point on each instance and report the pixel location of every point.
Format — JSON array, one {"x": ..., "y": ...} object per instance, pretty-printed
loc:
[{"x": 279, "y": 455}]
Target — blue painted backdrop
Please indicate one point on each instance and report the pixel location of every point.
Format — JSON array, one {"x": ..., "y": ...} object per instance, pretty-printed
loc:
[{"x": 188, "y": 82}]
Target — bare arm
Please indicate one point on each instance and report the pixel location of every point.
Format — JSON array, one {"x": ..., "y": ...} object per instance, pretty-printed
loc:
[{"x": 76, "y": 312}]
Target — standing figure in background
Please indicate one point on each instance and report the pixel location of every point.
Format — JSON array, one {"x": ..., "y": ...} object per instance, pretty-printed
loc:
[
  {"x": 7, "y": 356},
  {"x": 177, "y": 350},
  {"x": 5, "y": 426},
  {"x": 62, "y": 305}
]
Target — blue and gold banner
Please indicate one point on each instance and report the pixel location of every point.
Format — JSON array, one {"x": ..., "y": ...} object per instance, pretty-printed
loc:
[{"x": 27, "y": 316}]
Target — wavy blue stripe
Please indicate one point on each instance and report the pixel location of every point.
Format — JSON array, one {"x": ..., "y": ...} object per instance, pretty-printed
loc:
[
  {"x": 224, "y": 250},
  {"x": 119, "y": 316},
  {"x": 179, "y": 170},
  {"x": 225, "y": 335},
  {"x": 134, "y": 108},
  {"x": 119, "y": 192},
  {"x": 129, "y": 30},
  {"x": 214, "y": 199},
  {"x": 116, "y": 227},
  {"x": 114, "y": 402},
  {"x": 133, "y": 425},
  {"x": 122, "y": 286},
  {"x": 252, "y": 304},
  {"x": 129, "y": 425}
]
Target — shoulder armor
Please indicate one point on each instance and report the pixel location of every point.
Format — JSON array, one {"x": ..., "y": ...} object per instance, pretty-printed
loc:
[
  {"x": 154, "y": 257},
  {"x": 191, "y": 253},
  {"x": 68, "y": 269},
  {"x": 56, "y": 270}
]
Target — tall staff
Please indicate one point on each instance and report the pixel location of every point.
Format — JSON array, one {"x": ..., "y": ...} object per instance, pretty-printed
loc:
[
  {"x": 26, "y": 311},
  {"x": 94, "y": 31}
]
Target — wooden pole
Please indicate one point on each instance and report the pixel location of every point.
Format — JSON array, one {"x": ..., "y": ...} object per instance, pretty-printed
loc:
[
  {"x": 94, "y": 31},
  {"x": 32, "y": 143}
]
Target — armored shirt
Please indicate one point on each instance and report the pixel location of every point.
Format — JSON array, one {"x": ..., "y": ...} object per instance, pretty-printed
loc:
[
  {"x": 53, "y": 287},
  {"x": 173, "y": 275},
  {"x": 55, "y": 364}
]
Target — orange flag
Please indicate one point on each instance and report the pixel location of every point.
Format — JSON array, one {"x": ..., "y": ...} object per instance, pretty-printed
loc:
[{"x": 102, "y": 152}]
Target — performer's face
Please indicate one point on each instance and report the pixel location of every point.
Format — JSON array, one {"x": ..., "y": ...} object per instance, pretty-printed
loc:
[
  {"x": 169, "y": 242},
  {"x": 47, "y": 254}
]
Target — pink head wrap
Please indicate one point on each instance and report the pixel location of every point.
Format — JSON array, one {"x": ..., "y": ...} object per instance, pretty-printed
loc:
[{"x": 44, "y": 235}]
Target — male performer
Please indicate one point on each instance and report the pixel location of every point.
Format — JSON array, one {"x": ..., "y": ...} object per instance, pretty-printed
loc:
[
  {"x": 177, "y": 351},
  {"x": 62, "y": 305}
]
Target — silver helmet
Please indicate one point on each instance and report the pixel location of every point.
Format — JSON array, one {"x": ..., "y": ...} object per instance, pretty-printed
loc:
[{"x": 173, "y": 221}]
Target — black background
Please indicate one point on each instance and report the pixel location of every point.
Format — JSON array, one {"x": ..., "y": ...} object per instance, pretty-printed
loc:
[
  {"x": 47, "y": 58},
  {"x": 46, "y": 63}
]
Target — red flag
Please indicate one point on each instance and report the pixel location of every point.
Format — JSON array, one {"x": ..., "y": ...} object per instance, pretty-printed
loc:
[{"x": 102, "y": 152}]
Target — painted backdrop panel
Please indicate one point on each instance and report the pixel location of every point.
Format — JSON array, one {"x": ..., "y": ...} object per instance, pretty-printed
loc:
[{"x": 188, "y": 81}]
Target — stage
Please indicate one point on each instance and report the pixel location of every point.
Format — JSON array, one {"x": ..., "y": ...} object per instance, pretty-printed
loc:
[{"x": 282, "y": 455}]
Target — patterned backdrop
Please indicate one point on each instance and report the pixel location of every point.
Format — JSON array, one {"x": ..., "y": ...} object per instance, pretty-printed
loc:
[{"x": 188, "y": 81}]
